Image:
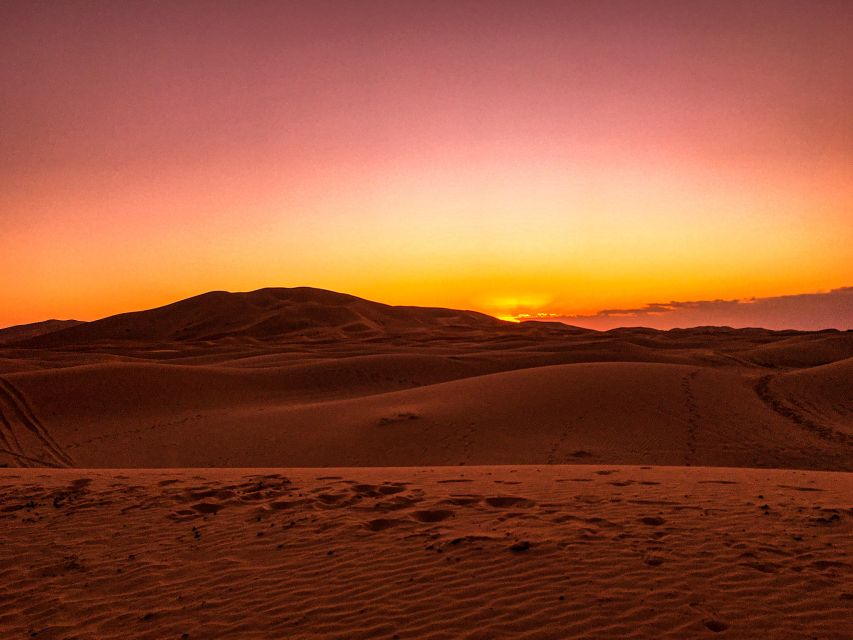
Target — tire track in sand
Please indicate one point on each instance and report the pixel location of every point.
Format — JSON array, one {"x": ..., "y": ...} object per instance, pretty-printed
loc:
[
  {"x": 9, "y": 441},
  {"x": 15, "y": 409},
  {"x": 790, "y": 412}
]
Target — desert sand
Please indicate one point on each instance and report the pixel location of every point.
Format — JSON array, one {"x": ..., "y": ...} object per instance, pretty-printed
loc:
[
  {"x": 594, "y": 551},
  {"x": 302, "y": 463}
]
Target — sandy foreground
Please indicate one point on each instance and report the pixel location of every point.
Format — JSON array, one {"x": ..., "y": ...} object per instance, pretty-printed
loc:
[{"x": 432, "y": 552}]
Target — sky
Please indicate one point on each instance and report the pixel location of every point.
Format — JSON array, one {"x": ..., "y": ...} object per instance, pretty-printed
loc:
[
  {"x": 805, "y": 312},
  {"x": 562, "y": 159}
]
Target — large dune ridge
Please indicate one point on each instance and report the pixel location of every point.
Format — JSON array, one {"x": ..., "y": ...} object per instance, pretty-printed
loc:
[
  {"x": 263, "y": 314},
  {"x": 305, "y": 464}
]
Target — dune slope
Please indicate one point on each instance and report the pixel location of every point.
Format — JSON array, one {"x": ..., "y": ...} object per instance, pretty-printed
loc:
[{"x": 328, "y": 414}]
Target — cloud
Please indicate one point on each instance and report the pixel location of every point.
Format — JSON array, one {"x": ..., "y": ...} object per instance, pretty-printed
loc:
[{"x": 806, "y": 311}]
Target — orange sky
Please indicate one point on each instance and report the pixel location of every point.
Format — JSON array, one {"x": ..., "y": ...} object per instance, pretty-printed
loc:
[{"x": 511, "y": 157}]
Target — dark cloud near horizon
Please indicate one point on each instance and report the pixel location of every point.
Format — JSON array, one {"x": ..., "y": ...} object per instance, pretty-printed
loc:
[{"x": 806, "y": 311}]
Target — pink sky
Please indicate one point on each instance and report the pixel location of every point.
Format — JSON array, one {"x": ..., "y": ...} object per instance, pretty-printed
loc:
[{"x": 560, "y": 157}]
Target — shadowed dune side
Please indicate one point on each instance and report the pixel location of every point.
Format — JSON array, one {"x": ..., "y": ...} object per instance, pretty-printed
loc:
[
  {"x": 23, "y": 438},
  {"x": 158, "y": 415},
  {"x": 263, "y": 315},
  {"x": 33, "y": 330},
  {"x": 808, "y": 350},
  {"x": 818, "y": 397}
]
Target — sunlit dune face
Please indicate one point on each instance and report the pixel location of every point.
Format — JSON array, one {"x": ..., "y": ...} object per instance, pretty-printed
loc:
[{"x": 558, "y": 159}]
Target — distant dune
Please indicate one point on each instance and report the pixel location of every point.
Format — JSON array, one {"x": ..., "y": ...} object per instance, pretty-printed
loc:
[
  {"x": 263, "y": 315},
  {"x": 305, "y": 377},
  {"x": 28, "y": 331}
]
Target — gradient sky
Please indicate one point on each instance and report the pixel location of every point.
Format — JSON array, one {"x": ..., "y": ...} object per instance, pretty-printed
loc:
[{"x": 512, "y": 157}]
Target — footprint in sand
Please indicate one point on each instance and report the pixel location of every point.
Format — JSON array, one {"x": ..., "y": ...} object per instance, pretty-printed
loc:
[
  {"x": 461, "y": 501},
  {"x": 396, "y": 503},
  {"x": 503, "y": 502},
  {"x": 365, "y": 490},
  {"x": 207, "y": 507},
  {"x": 391, "y": 489},
  {"x": 432, "y": 515},
  {"x": 381, "y": 524},
  {"x": 716, "y": 626},
  {"x": 287, "y": 504}
]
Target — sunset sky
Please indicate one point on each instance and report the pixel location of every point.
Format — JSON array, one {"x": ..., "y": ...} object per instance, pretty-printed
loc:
[{"x": 559, "y": 158}]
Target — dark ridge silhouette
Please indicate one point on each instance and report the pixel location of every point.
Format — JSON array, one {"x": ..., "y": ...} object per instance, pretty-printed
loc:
[
  {"x": 266, "y": 314},
  {"x": 33, "y": 330}
]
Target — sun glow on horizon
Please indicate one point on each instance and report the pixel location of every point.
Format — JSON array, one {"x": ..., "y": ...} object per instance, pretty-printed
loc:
[{"x": 553, "y": 159}]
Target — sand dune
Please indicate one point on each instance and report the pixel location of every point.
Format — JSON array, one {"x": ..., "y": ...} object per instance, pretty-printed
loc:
[
  {"x": 278, "y": 377},
  {"x": 28, "y": 331},
  {"x": 263, "y": 314},
  {"x": 596, "y": 551},
  {"x": 808, "y": 350},
  {"x": 366, "y": 411},
  {"x": 818, "y": 398}
]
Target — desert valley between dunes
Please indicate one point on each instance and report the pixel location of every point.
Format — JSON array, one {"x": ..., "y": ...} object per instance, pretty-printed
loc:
[{"x": 305, "y": 464}]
